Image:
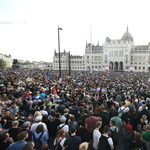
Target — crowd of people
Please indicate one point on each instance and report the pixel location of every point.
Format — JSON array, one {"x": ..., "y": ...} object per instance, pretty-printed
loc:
[{"x": 83, "y": 111}]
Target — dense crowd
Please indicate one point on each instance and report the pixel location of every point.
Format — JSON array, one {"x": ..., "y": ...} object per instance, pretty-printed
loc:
[{"x": 83, "y": 111}]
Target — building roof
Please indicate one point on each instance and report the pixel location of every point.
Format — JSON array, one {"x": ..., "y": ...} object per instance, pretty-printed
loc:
[
  {"x": 127, "y": 36},
  {"x": 139, "y": 47}
]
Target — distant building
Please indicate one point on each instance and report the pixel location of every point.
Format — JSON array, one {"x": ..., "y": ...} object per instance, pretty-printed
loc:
[
  {"x": 120, "y": 54},
  {"x": 8, "y": 60},
  {"x": 20, "y": 61}
]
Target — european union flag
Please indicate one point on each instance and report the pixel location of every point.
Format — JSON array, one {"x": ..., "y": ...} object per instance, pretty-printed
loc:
[{"x": 49, "y": 76}]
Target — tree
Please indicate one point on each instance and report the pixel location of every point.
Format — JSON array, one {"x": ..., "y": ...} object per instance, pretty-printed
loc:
[{"x": 2, "y": 64}]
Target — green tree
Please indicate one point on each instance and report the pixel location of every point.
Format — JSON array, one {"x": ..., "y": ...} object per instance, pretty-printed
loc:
[{"x": 2, "y": 64}]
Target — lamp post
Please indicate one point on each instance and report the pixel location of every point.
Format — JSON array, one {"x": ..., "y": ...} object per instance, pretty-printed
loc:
[
  {"x": 69, "y": 64},
  {"x": 59, "y": 52}
]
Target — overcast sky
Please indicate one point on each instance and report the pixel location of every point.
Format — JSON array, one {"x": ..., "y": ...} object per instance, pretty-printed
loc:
[{"x": 37, "y": 39}]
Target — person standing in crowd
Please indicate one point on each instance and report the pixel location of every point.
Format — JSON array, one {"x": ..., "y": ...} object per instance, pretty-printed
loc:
[
  {"x": 126, "y": 131},
  {"x": 5, "y": 141},
  {"x": 64, "y": 126},
  {"x": 60, "y": 139},
  {"x": 21, "y": 137},
  {"x": 40, "y": 133},
  {"x": 25, "y": 127},
  {"x": 75, "y": 111},
  {"x": 146, "y": 134},
  {"x": 90, "y": 126},
  {"x": 84, "y": 117},
  {"x": 118, "y": 121},
  {"x": 73, "y": 141},
  {"x": 96, "y": 134},
  {"x": 14, "y": 130},
  {"x": 104, "y": 141},
  {"x": 138, "y": 142},
  {"x": 38, "y": 120}
]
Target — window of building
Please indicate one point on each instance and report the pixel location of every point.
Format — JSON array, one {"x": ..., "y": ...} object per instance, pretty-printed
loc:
[
  {"x": 92, "y": 66},
  {"x": 135, "y": 67},
  {"x": 99, "y": 67},
  {"x": 135, "y": 62},
  {"x": 143, "y": 68},
  {"x": 139, "y": 63},
  {"x": 139, "y": 67},
  {"x": 80, "y": 67},
  {"x": 95, "y": 67}
]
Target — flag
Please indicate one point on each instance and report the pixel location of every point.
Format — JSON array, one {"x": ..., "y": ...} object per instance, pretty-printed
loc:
[
  {"x": 143, "y": 84},
  {"x": 46, "y": 78},
  {"x": 54, "y": 90},
  {"x": 101, "y": 75},
  {"x": 55, "y": 93},
  {"x": 49, "y": 76}
]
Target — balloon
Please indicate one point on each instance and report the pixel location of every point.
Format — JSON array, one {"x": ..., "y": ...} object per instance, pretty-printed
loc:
[
  {"x": 98, "y": 89},
  {"x": 103, "y": 90}
]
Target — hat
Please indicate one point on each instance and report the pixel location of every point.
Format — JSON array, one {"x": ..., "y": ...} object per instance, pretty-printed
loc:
[
  {"x": 38, "y": 118},
  {"x": 62, "y": 119},
  {"x": 90, "y": 112}
]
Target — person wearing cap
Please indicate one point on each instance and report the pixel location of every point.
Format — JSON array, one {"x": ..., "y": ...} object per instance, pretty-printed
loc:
[
  {"x": 63, "y": 126},
  {"x": 38, "y": 120}
]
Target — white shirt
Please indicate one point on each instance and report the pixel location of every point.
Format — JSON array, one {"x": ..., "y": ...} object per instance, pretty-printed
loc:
[
  {"x": 96, "y": 135},
  {"x": 110, "y": 141},
  {"x": 140, "y": 109},
  {"x": 43, "y": 112},
  {"x": 122, "y": 108},
  {"x": 34, "y": 126},
  {"x": 66, "y": 127},
  {"x": 62, "y": 141}
]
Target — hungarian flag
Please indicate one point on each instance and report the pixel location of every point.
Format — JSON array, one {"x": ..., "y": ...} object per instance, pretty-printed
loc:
[
  {"x": 101, "y": 75},
  {"x": 54, "y": 90},
  {"x": 15, "y": 72},
  {"x": 143, "y": 84}
]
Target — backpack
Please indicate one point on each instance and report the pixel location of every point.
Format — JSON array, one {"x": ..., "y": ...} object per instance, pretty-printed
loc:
[
  {"x": 103, "y": 143},
  {"x": 58, "y": 146},
  {"x": 121, "y": 112},
  {"x": 37, "y": 142},
  {"x": 114, "y": 136},
  {"x": 124, "y": 130},
  {"x": 58, "y": 128}
]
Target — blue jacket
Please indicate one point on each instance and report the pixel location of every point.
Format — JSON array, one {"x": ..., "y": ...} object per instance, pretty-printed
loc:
[
  {"x": 44, "y": 137},
  {"x": 17, "y": 145}
]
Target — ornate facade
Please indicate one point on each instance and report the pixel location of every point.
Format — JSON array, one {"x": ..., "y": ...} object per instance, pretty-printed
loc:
[{"x": 118, "y": 55}]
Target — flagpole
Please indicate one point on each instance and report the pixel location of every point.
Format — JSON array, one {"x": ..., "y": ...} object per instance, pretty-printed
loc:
[{"x": 91, "y": 49}]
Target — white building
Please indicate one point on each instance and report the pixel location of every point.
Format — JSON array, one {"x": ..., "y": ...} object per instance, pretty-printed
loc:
[
  {"x": 120, "y": 54},
  {"x": 7, "y": 59}
]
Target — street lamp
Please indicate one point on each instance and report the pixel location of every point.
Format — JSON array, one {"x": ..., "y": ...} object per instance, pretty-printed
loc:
[
  {"x": 59, "y": 52},
  {"x": 69, "y": 64}
]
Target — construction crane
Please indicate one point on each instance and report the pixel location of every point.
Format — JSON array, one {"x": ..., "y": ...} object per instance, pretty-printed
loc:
[{"x": 11, "y": 22}]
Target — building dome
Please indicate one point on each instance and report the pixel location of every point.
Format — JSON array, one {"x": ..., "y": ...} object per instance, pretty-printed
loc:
[{"x": 127, "y": 36}]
